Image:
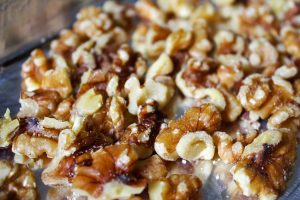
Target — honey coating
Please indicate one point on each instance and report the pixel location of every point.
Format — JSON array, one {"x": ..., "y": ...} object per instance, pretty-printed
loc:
[{"x": 144, "y": 100}]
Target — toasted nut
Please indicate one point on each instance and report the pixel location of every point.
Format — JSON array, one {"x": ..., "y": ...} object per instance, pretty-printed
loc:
[
  {"x": 255, "y": 91},
  {"x": 228, "y": 150},
  {"x": 178, "y": 40},
  {"x": 34, "y": 147},
  {"x": 54, "y": 123},
  {"x": 146, "y": 9},
  {"x": 57, "y": 80},
  {"x": 206, "y": 118},
  {"x": 162, "y": 93},
  {"x": 89, "y": 102},
  {"x": 152, "y": 168},
  {"x": 263, "y": 53},
  {"x": 233, "y": 107},
  {"x": 223, "y": 2},
  {"x": 112, "y": 86},
  {"x": 7, "y": 126},
  {"x": 162, "y": 66},
  {"x": 229, "y": 75},
  {"x": 290, "y": 41},
  {"x": 116, "y": 111},
  {"x": 180, "y": 8},
  {"x": 286, "y": 72},
  {"x": 265, "y": 164},
  {"x": 177, "y": 186},
  {"x": 196, "y": 145},
  {"x": 215, "y": 97},
  {"x": 17, "y": 182}
]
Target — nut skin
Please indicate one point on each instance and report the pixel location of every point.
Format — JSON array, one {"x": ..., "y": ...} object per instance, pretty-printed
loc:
[
  {"x": 206, "y": 117},
  {"x": 152, "y": 168}
]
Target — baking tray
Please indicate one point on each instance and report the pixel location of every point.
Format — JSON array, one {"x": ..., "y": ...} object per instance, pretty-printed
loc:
[{"x": 10, "y": 85}]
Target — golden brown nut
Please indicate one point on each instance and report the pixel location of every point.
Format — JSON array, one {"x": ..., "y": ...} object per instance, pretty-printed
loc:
[
  {"x": 228, "y": 42},
  {"x": 178, "y": 40},
  {"x": 228, "y": 150},
  {"x": 205, "y": 118},
  {"x": 180, "y": 8},
  {"x": 147, "y": 10},
  {"x": 265, "y": 164},
  {"x": 177, "y": 186},
  {"x": 290, "y": 40},
  {"x": 17, "y": 182},
  {"x": 229, "y": 76}
]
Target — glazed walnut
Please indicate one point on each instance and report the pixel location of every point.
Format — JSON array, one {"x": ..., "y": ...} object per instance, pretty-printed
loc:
[
  {"x": 265, "y": 164},
  {"x": 193, "y": 125},
  {"x": 17, "y": 182},
  {"x": 177, "y": 186}
]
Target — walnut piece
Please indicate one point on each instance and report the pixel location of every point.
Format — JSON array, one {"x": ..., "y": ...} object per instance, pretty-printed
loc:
[
  {"x": 265, "y": 164},
  {"x": 17, "y": 182},
  {"x": 7, "y": 127},
  {"x": 204, "y": 118},
  {"x": 177, "y": 186}
]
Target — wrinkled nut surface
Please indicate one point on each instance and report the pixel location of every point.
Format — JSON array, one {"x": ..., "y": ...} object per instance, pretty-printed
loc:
[
  {"x": 265, "y": 164},
  {"x": 177, "y": 186},
  {"x": 178, "y": 40},
  {"x": 196, "y": 145},
  {"x": 152, "y": 168},
  {"x": 162, "y": 66},
  {"x": 17, "y": 182},
  {"x": 204, "y": 118}
]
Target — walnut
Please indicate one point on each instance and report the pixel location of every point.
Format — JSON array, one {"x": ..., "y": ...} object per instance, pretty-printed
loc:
[
  {"x": 228, "y": 150},
  {"x": 48, "y": 122},
  {"x": 34, "y": 147},
  {"x": 262, "y": 53},
  {"x": 265, "y": 164},
  {"x": 113, "y": 183},
  {"x": 34, "y": 69},
  {"x": 229, "y": 75},
  {"x": 92, "y": 21},
  {"x": 89, "y": 102},
  {"x": 270, "y": 98},
  {"x": 7, "y": 127},
  {"x": 152, "y": 168},
  {"x": 290, "y": 40},
  {"x": 224, "y": 2},
  {"x": 162, "y": 66},
  {"x": 204, "y": 118},
  {"x": 67, "y": 42},
  {"x": 233, "y": 107},
  {"x": 178, "y": 40},
  {"x": 177, "y": 186},
  {"x": 180, "y": 8},
  {"x": 63, "y": 109},
  {"x": 196, "y": 145},
  {"x": 159, "y": 91},
  {"x": 229, "y": 43},
  {"x": 147, "y": 10},
  {"x": 286, "y": 72},
  {"x": 142, "y": 134},
  {"x": 116, "y": 111},
  {"x": 17, "y": 182},
  {"x": 82, "y": 55},
  {"x": 39, "y": 103},
  {"x": 201, "y": 45}
]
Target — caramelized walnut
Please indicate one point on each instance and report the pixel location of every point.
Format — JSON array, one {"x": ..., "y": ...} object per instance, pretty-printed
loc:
[
  {"x": 265, "y": 164},
  {"x": 17, "y": 182},
  {"x": 205, "y": 118},
  {"x": 290, "y": 41},
  {"x": 177, "y": 186}
]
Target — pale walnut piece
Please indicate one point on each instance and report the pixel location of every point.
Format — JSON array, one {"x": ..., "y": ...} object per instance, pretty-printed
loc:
[
  {"x": 17, "y": 182},
  {"x": 7, "y": 127},
  {"x": 204, "y": 118},
  {"x": 177, "y": 186},
  {"x": 266, "y": 164}
]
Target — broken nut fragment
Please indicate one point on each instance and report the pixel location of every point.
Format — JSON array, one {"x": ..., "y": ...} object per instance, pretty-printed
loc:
[
  {"x": 89, "y": 102},
  {"x": 7, "y": 126}
]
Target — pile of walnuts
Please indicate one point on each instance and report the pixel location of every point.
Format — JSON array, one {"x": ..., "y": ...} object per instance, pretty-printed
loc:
[{"x": 142, "y": 101}]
